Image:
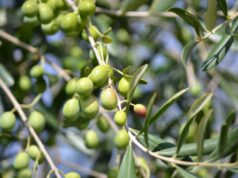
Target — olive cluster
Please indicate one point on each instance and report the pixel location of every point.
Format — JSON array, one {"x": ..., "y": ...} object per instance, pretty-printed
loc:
[
  {"x": 21, "y": 162},
  {"x": 36, "y": 120},
  {"x": 84, "y": 106},
  {"x": 53, "y": 15}
]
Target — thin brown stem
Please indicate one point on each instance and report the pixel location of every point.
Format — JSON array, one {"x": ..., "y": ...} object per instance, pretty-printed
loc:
[
  {"x": 82, "y": 169},
  {"x": 179, "y": 162},
  {"x": 61, "y": 72},
  {"x": 138, "y": 14},
  {"x": 30, "y": 129}
]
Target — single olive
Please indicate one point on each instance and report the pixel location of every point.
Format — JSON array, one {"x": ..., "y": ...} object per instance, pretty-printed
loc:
[
  {"x": 7, "y": 121},
  {"x": 50, "y": 28},
  {"x": 37, "y": 71},
  {"x": 89, "y": 106},
  {"x": 34, "y": 152},
  {"x": 108, "y": 98},
  {"x": 86, "y": 7},
  {"x": 21, "y": 161},
  {"x": 52, "y": 4},
  {"x": 84, "y": 87},
  {"x": 120, "y": 118},
  {"x": 30, "y": 8},
  {"x": 112, "y": 173},
  {"x": 46, "y": 14},
  {"x": 91, "y": 139},
  {"x": 71, "y": 109},
  {"x": 70, "y": 87},
  {"x": 140, "y": 110},
  {"x": 102, "y": 124},
  {"x": 25, "y": 173},
  {"x": 99, "y": 75},
  {"x": 69, "y": 22},
  {"x": 72, "y": 175},
  {"x": 37, "y": 121},
  {"x": 122, "y": 139},
  {"x": 24, "y": 83},
  {"x": 61, "y": 4},
  {"x": 123, "y": 86}
]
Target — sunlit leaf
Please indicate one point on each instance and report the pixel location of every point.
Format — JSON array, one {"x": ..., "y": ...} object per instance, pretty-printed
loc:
[
  {"x": 199, "y": 104},
  {"x": 184, "y": 173},
  {"x": 201, "y": 130},
  {"x": 161, "y": 110},
  {"x": 130, "y": 5},
  {"x": 211, "y": 14},
  {"x": 134, "y": 82},
  {"x": 187, "y": 50},
  {"x": 189, "y": 19},
  {"x": 218, "y": 52},
  {"x": 6, "y": 76},
  {"x": 161, "y": 5},
  {"x": 223, "y": 6},
  {"x": 127, "y": 168}
]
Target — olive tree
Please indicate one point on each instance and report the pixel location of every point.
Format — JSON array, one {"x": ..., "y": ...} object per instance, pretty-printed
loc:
[{"x": 118, "y": 89}]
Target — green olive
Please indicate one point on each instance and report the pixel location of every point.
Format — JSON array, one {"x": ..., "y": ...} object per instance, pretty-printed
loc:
[
  {"x": 84, "y": 87},
  {"x": 71, "y": 109},
  {"x": 120, "y": 118},
  {"x": 91, "y": 139},
  {"x": 7, "y": 121},
  {"x": 72, "y": 175},
  {"x": 122, "y": 139},
  {"x": 46, "y": 14},
  {"x": 112, "y": 173},
  {"x": 86, "y": 7},
  {"x": 21, "y": 161},
  {"x": 24, "y": 83},
  {"x": 30, "y": 8},
  {"x": 50, "y": 28},
  {"x": 99, "y": 75},
  {"x": 103, "y": 124},
  {"x": 69, "y": 22},
  {"x": 89, "y": 106},
  {"x": 37, "y": 71},
  {"x": 52, "y": 4},
  {"x": 24, "y": 173},
  {"x": 123, "y": 86},
  {"x": 108, "y": 98},
  {"x": 70, "y": 88},
  {"x": 110, "y": 70},
  {"x": 37, "y": 121},
  {"x": 34, "y": 152},
  {"x": 140, "y": 110},
  {"x": 82, "y": 125},
  {"x": 61, "y": 4}
]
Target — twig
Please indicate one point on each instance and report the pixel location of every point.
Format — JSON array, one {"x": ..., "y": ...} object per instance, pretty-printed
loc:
[
  {"x": 176, "y": 161},
  {"x": 83, "y": 169},
  {"x": 17, "y": 42},
  {"x": 31, "y": 130},
  {"x": 139, "y": 14},
  {"x": 33, "y": 50}
]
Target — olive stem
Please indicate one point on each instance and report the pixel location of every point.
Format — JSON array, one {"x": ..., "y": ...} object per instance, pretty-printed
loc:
[
  {"x": 30, "y": 129},
  {"x": 83, "y": 169},
  {"x": 33, "y": 50},
  {"x": 176, "y": 161},
  {"x": 138, "y": 14}
]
